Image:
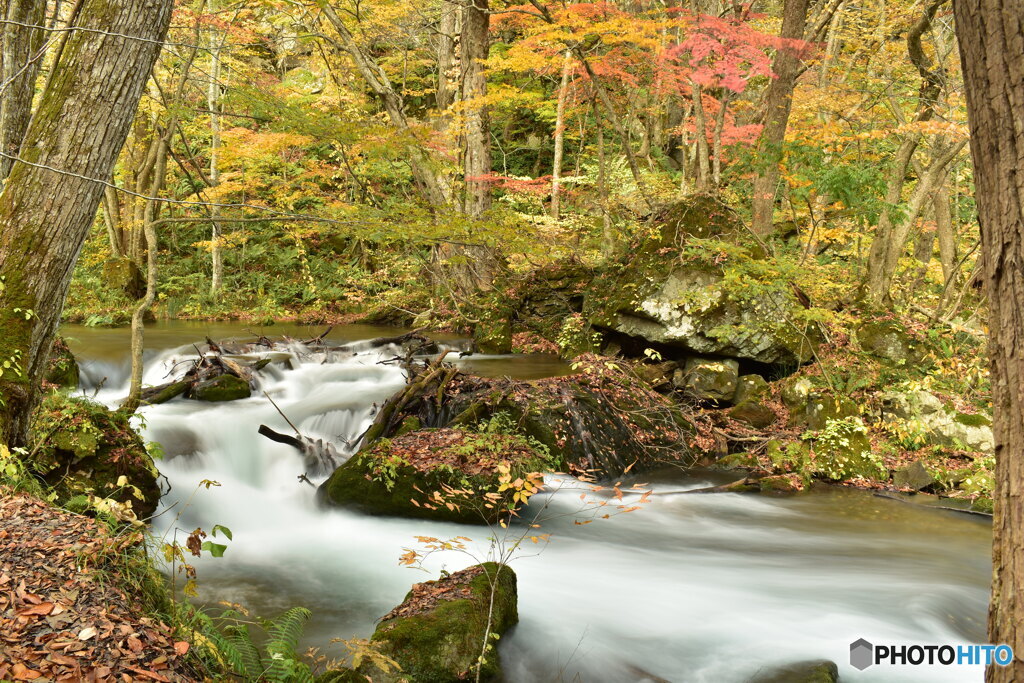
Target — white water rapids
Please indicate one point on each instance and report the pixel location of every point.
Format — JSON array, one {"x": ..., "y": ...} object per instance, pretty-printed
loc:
[{"x": 705, "y": 588}]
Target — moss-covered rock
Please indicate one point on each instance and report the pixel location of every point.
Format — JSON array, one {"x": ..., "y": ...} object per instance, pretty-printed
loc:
[
  {"x": 125, "y": 275},
  {"x": 842, "y": 450},
  {"x": 81, "y": 448},
  {"x": 62, "y": 368},
  {"x": 708, "y": 380},
  {"x": 493, "y": 331},
  {"x": 663, "y": 293},
  {"x": 939, "y": 424},
  {"x": 443, "y": 627},
  {"x": 889, "y": 341},
  {"x": 780, "y": 483},
  {"x": 751, "y": 388},
  {"x": 914, "y": 476},
  {"x": 603, "y": 419},
  {"x": 816, "y": 671},
  {"x": 446, "y": 474},
  {"x": 753, "y": 413},
  {"x": 823, "y": 407},
  {"x": 222, "y": 388}
]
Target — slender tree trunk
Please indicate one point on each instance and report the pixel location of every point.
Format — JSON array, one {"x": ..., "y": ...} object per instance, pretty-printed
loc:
[
  {"x": 112, "y": 217},
  {"x": 945, "y": 231},
  {"x": 213, "y": 103},
  {"x": 22, "y": 53},
  {"x": 716, "y": 137},
  {"x": 701, "y": 133},
  {"x": 45, "y": 215},
  {"x": 991, "y": 34},
  {"x": 556, "y": 169},
  {"x": 435, "y": 188},
  {"x": 778, "y": 104},
  {"x": 476, "y": 44},
  {"x": 607, "y": 236}
]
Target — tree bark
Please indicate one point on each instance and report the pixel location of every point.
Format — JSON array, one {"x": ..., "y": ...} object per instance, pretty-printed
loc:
[
  {"x": 79, "y": 128},
  {"x": 22, "y": 53},
  {"x": 556, "y": 168},
  {"x": 476, "y": 45},
  {"x": 213, "y": 103},
  {"x": 991, "y": 35},
  {"x": 779, "y": 102}
]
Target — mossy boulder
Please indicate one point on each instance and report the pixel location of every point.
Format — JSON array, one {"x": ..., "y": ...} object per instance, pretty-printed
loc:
[
  {"x": 441, "y": 629},
  {"x": 125, "y": 275},
  {"x": 222, "y": 388},
  {"x": 80, "y": 448},
  {"x": 753, "y": 413},
  {"x": 708, "y": 380},
  {"x": 751, "y": 388},
  {"x": 446, "y": 474},
  {"x": 914, "y": 476},
  {"x": 842, "y": 450},
  {"x": 665, "y": 294},
  {"x": 889, "y": 341},
  {"x": 62, "y": 368},
  {"x": 815, "y": 671},
  {"x": 939, "y": 424}
]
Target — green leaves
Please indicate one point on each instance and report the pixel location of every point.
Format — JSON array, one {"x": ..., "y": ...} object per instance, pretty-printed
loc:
[{"x": 215, "y": 549}]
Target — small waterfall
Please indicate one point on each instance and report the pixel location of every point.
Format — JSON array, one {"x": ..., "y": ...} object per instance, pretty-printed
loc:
[{"x": 711, "y": 588}]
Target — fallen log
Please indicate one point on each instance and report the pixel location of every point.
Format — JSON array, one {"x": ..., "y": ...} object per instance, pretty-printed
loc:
[{"x": 164, "y": 392}]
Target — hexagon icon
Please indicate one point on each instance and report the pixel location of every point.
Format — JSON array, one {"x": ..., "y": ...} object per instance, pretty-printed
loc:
[{"x": 861, "y": 654}]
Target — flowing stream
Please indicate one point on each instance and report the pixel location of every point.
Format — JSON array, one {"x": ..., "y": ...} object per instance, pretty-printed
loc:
[{"x": 713, "y": 588}]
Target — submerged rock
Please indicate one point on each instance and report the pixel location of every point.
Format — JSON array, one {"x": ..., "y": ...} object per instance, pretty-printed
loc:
[
  {"x": 443, "y": 627},
  {"x": 665, "y": 296},
  {"x": 62, "y": 368},
  {"x": 446, "y": 474},
  {"x": 80, "y": 448}
]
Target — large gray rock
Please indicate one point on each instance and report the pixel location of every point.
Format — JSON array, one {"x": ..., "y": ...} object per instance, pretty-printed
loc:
[
  {"x": 939, "y": 424},
  {"x": 661, "y": 294},
  {"x": 690, "y": 309},
  {"x": 914, "y": 476}
]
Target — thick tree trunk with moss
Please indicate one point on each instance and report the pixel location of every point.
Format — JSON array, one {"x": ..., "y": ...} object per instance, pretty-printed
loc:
[
  {"x": 476, "y": 45},
  {"x": 991, "y": 34},
  {"x": 51, "y": 197},
  {"x": 22, "y": 53}
]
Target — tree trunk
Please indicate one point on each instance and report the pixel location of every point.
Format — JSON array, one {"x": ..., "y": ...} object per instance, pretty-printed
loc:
[
  {"x": 701, "y": 133},
  {"x": 945, "y": 231},
  {"x": 213, "y": 96},
  {"x": 778, "y": 101},
  {"x": 45, "y": 215},
  {"x": 448, "y": 29},
  {"x": 22, "y": 53},
  {"x": 476, "y": 44},
  {"x": 556, "y": 169},
  {"x": 991, "y": 35}
]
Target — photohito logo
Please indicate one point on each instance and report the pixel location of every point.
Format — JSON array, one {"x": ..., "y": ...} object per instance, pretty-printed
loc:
[{"x": 863, "y": 654}]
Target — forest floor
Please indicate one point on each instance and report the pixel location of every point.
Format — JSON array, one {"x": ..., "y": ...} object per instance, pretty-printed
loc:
[{"x": 63, "y": 613}]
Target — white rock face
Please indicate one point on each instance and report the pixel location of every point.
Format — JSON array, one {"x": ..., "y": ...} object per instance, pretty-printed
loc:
[{"x": 690, "y": 310}]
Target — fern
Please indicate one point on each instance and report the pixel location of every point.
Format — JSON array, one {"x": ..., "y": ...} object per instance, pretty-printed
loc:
[{"x": 278, "y": 662}]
